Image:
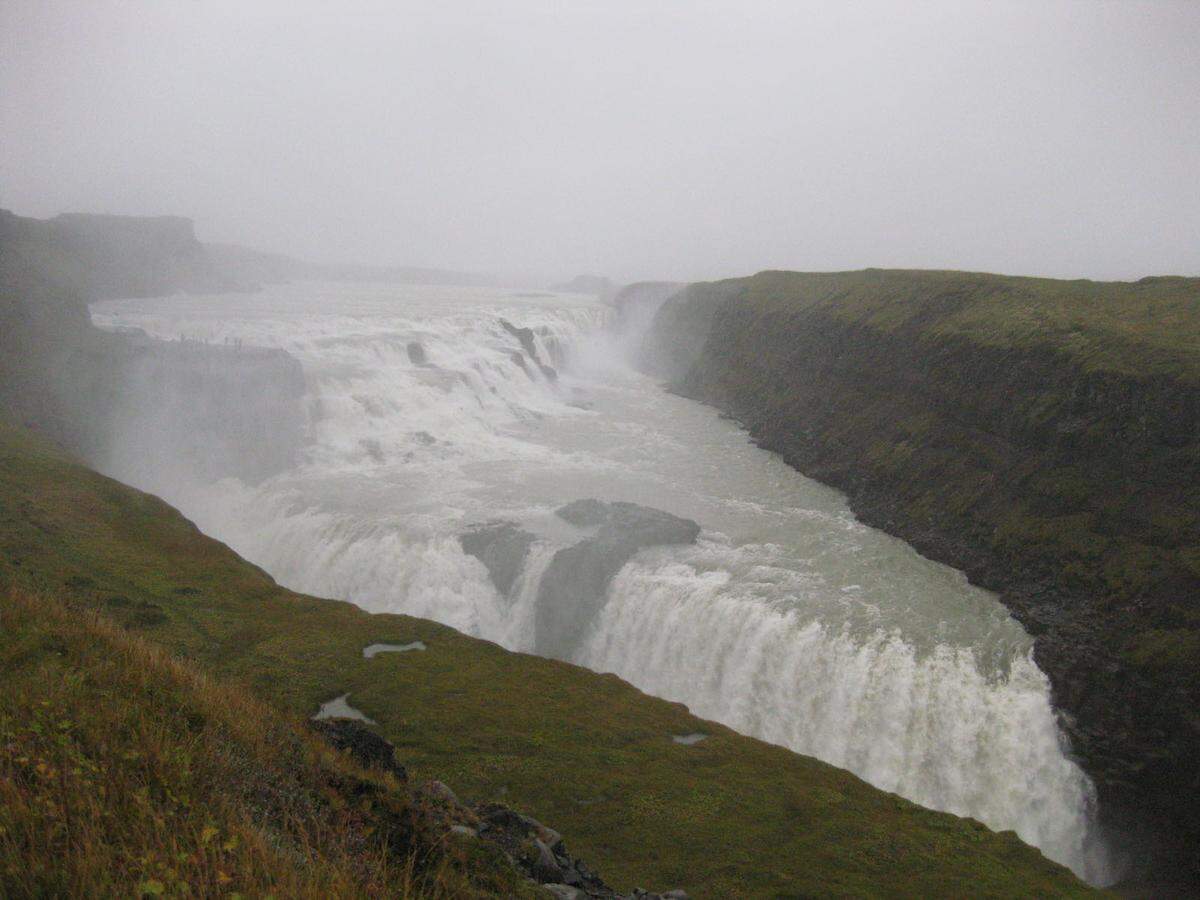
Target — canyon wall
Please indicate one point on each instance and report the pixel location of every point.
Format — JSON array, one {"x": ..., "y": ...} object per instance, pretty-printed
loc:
[
  {"x": 223, "y": 410},
  {"x": 1043, "y": 436}
]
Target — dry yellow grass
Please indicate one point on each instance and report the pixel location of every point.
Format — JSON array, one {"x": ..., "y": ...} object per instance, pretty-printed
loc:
[{"x": 125, "y": 772}]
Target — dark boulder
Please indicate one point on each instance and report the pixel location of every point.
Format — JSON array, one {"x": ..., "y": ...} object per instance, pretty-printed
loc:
[
  {"x": 363, "y": 745},
  {"x": 529, "y": 345},
  {"x": 416, "y": 354},
  {"x": 545, "y": 868},
  {"x": 539, "y": 852},
  {"x": 524, "y": 335}
]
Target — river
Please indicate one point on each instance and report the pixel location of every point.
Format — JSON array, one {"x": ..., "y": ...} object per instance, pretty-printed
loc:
[{"x": 788, "y": 619}]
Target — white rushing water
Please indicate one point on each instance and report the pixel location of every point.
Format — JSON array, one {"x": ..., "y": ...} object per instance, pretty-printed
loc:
[{"x": 788, "y": 619}]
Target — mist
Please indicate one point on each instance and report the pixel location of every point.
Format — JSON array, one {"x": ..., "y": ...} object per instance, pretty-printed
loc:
[
  {"x": 671, "y": 140},
  {"x": 469, "y": 313}
]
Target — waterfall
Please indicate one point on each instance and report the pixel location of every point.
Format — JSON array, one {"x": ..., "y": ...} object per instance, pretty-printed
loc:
[
  {"x": 429, "y": 410},
  {"x": 934, "y": 727}
]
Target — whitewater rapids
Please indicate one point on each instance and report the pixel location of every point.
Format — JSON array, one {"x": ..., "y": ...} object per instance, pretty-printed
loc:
[{"x": 788, "y": 619}]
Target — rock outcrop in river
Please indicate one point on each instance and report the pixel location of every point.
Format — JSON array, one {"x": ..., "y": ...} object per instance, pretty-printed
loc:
[
  {"x": 1042, "y": 436},
  {"x": 574, "y": 586},
  {"x": 502, "y": 548}
]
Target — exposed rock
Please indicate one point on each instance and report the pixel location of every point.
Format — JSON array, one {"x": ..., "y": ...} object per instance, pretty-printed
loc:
[
  {"x": 441, "y": 806},
  {"x": 214, "y": 410},
  {"x": 525, "y": 336},
  {"x": 104, "y": 256},
  {"x": 549, "y": 836},
  {"x": 416, "y": 354},
  {"x": 502, "y": 548},
  {"x": 540, "y": 853},
  {"x": 365, "y": 747},
  {"x": 505, "y": 826},
  {"x": 574, "y": 587},
  {"x": 584, "y": 513},
  {"x": 546, "y": 869},
  {"x": 439, "y": 790},
  {"x": 636, "y": 304},
  {"x": 536, "y": 850}
]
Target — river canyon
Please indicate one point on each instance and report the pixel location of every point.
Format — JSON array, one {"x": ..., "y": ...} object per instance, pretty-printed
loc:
[{"x": 430, "y": 412}]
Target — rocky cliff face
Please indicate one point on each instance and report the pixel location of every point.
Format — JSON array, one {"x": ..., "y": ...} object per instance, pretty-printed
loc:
[
  {"x": 105, "y": 257},
  {"x": 1042, "y": 436},
  {"x": 635, "y": 305},
  {"x": 220, "y": 410},
  {"x": 186, "y": 409}
]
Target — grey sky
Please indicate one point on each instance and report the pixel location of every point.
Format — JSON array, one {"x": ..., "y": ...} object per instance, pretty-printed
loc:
[{"x": 637, "y": 139}]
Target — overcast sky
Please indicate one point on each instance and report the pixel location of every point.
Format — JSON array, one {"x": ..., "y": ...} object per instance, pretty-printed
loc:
[{"x": 632, "y": 138}]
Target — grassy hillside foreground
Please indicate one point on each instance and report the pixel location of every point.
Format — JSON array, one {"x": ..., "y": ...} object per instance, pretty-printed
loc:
[
  {"x": 126, "y": 772},
  {"x": 586, "y": 753}
]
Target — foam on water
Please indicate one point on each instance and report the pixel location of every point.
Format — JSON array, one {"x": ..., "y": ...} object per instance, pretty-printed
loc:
[
  {"x": 788, "y": 620},
  {"x": 932, "y": 727}
]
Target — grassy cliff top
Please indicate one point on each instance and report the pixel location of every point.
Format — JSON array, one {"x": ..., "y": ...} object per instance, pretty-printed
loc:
[
  {"x": 1140, "y": 328},
  {"x": 588, "y": 753}
]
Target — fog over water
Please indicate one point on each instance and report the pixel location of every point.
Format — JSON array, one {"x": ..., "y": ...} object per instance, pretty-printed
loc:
[
  {"x": 684, "y": 139},
  {"x": 788, "y": 619}
]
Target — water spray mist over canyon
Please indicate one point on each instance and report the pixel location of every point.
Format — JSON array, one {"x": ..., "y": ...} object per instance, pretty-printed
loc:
[{"x": 428, "y": 411}]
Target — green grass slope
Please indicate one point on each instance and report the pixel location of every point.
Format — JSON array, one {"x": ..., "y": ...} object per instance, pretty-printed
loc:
[
  {"x": 1140, "y": 328},
  {"x": 588, "y": 753},
  {"x": 124, "y": 773}
]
